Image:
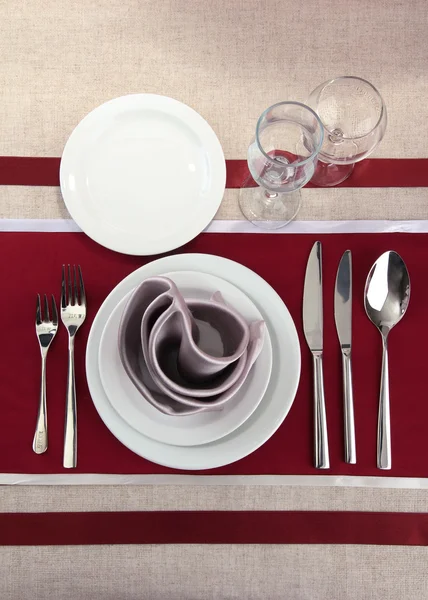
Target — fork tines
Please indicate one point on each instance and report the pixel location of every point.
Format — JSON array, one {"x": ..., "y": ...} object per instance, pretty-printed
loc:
[
  {"x": 71, "y": 293},
  {"x": 46, "y": 318}
]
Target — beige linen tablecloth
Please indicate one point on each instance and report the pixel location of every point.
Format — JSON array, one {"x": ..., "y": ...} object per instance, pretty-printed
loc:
[{"x": 229, "y": 61}]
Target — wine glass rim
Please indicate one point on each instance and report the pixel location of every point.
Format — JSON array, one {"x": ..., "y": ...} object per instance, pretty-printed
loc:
[
  {"x": 308, "y": 108},
  {"x": 382, "y": 104}
]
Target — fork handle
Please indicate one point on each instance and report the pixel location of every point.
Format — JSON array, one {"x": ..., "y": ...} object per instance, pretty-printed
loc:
[
  {"x": 40, "y": 440},
  {"x": 70, "y": 432}
]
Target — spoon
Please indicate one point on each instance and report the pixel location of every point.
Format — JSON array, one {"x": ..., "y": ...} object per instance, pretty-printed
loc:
[{"x": 386, "y": 297}]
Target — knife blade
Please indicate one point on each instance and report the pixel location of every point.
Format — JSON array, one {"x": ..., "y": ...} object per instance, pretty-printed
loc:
[
  {"x": 343, "y": 301},
  {"x": 343, "y": 319},
  {"x": 313, "y": 330},
  {"x": 312, "y": 300}
]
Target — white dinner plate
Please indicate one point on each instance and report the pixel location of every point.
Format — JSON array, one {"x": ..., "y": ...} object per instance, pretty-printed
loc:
[
  {"x": 279, "y": 395},
  {"x": 188, "y": 430},
  {"x": 143, "y": 174}
]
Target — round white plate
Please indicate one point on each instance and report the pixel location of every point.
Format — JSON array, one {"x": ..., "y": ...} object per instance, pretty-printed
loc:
[
  {"x": 188, "y": 430},
  {"x": 143, "y": 174},
  {"x": 277, "y": 400}
]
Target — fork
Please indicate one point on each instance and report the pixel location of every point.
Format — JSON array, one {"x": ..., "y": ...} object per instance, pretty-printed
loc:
[
  {"x": 73, "y": 313},
  {"x": 46, "y": 329}
]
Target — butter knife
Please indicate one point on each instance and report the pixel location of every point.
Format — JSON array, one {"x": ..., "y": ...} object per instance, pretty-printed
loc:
[
  {"x": 343, "y": 318},
  {"x": 313, "y": 329}
]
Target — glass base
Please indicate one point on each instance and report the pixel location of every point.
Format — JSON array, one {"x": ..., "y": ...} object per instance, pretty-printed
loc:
[
  {"x": 269, "y": 212},
  {"x": 329, "y": 175}
]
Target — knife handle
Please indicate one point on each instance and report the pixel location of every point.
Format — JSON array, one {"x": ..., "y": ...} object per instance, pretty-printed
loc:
[
  {"x": 322, "y": 460},
  {"x": 348, "y": 410}
]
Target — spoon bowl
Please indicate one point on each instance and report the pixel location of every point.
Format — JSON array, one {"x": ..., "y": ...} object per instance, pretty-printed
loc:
[
  {"x": 386, "y": 298},
  {"x": 387, "y": 291}
]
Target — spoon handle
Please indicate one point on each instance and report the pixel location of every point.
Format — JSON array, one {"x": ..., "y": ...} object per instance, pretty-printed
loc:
[
  {"x": 384, "y": 423},
  {"x": 322, "y": 459},
  {"x": 348, "y": 410}
]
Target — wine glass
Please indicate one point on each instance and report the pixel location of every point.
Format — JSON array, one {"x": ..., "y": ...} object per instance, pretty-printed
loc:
[
  {"x": 281, "y": 159},
  {"x": 354, "y": 117}
]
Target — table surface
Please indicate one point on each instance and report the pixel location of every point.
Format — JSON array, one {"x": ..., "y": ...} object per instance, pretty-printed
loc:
[{"x": 229, "y": 61}]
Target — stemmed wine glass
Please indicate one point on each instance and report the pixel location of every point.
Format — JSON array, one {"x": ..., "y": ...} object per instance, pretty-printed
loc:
[
  {"x": 281, "y": 159},
  {"x": 354, "y": 117}
]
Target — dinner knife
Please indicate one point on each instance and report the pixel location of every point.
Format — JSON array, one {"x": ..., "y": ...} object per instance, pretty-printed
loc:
[
  {"x": 343, "y": 318},
  {"x": 313, "y": 329}
]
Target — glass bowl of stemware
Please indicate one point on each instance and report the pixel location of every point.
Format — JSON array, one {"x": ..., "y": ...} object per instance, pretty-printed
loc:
[
  {"x": 281, "y": 159},
  {"x": 354, "y": 117}
]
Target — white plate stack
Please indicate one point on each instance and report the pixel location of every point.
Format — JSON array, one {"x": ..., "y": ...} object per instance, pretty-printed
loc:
[{"x": 209, "y": 439}]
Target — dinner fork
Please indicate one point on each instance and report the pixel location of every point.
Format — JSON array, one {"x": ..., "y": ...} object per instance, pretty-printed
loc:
[
  {"x": 46, "y": 329},
  {"x": 73, "y": 313}
]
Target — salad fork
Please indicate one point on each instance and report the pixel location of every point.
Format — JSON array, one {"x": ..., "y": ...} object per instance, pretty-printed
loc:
[
  {"x": 46, "y": 329},
  {"x": 73, "y": 313}
]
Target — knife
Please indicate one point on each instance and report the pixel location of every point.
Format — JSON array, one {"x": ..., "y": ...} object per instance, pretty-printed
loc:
[
  {"x": 313, "y": 329},
  {"x": 343, "y": 318}
]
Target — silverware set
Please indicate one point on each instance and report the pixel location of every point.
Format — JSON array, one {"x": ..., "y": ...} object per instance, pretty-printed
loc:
[
  {"x": 73, "y": 314},
  {"x": 386, "y": 297}
]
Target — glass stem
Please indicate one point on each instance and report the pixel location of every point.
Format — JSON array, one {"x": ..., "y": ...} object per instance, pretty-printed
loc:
[{"x": 269, "y": 196}]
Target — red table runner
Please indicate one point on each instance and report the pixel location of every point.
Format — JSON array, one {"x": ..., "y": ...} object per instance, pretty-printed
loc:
[
  {"x": 372, "y": 172},
  {"x": 214, "y": 527},
  {"x": 31, "y": 263}
]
